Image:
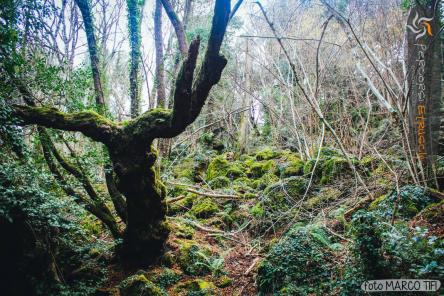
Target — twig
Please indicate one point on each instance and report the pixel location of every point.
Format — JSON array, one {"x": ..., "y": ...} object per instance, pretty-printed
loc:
[
  {"x": 288, "y": 38},
  {"x": 207, "y": 194}
]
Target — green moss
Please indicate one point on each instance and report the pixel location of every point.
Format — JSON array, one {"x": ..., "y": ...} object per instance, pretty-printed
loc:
[
  {"x": 197, "y": 287},
  {"x": 183, "y": 231},
  {"x": 190, "y": 258},
  {"x": 266, "y": 154},
  {"x": 204, "y": 208},
  {"x": 325, "y": 195},
  {"x": 308, "y": 167},
  {"x": 219, "y": 182},
  {"x": 139, "y": 285},
  {"x": 221, "y": 167},
  {"x": 257, "y": 210},
  {"x": 218, "y": 167},
  {"x": 182, "y": 205},
  {"x": 281, "y": 196},
  {"x": 333, "y": 167},
  {"x": 434, "y": 213},
  {"x": 167, "y": 259},
  {"x": 292, "y": 165},
  {"x": 374, "y": 204},
  {"x": 264, "y": 181},
  {"x": 368, "y": 161},
  {"x": 223, "y": 281},
  {"x": 235, "y": 171},
  {"x": 260, "y": 168}
]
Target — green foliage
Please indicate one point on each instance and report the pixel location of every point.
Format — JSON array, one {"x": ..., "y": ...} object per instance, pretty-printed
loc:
[
  {"x": 183, "y": 231},
  {"x": 411, "y": 200},
  {"x": 381, "y": 250},
  {"x": 219, "y": 182},
  {"x": 368, "y": 245},
  {"x": 197, "y": 287},
  {"x": 190, "y": 257},
  {"x": 280, "y": 196},
  {"x": 43, "y": 228},
  {"x": 213, "y": 263},
  {"x": 204, "y": 208},
  {"x": 266, "y": 154},
  {"x": 299, "y": 264},
  {"x": 217, "y": 167},
  {"x": 167, "y": 278},
  {"x": 325, "y": 195},
  {"x": 139, "y": 285}
]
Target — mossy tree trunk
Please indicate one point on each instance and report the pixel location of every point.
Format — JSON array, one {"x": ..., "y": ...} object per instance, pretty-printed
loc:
[
  {"x": 130, "y": 145},
  {"x": 138, "y": 180}
]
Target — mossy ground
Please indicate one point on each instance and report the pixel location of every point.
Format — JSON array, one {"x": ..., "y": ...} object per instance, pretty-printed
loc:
[{"x": 281, "y": 234}]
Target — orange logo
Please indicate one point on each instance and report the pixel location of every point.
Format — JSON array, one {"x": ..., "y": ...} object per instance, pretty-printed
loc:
[{"x": 421, "y": 26}]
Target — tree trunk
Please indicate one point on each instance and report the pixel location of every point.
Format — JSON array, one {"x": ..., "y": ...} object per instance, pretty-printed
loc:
[{"x": 137, "y": 179}]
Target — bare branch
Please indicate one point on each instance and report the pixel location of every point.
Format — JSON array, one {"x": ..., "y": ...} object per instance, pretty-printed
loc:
[{"x": 178, "y": 26}]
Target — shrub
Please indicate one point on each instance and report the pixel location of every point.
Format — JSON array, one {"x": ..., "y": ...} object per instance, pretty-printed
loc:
[{"x": 299, "y": 264}]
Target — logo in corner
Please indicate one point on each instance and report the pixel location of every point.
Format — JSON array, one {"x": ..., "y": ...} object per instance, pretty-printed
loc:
[{"x": 421, "y": 26}]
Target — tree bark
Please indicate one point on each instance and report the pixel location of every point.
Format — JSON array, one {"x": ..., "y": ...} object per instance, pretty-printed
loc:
[
  {"x": 137, "y": 179},
  {"x": 92, "y": 47},
  {"x": 177, "y": 25},
  {"x": 135, "y": 42},
  {"x": 158, "y": 40}
]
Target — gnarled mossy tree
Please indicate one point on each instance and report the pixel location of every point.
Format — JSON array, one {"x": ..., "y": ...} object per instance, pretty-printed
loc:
[{"x": 130, "y": 145}]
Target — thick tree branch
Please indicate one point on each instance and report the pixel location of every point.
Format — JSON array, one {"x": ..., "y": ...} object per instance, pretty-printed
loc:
[
  {"x": 213, "y": 63},
  {"x": 89, "y": 123},
  {"x": 188, "y": 99},
  {"x": 183, "y": 89}
]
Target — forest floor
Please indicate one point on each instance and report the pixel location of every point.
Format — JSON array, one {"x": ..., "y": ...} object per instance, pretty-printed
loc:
[{"x": 257, "y": 224}]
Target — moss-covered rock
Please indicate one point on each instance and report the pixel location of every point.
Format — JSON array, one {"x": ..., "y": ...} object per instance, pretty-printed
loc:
[
  {"x": 292, "y": 165},
  {"x": 221, "y": 167},
  {"x": 223, "y": 281},
  {"x": 309, "y": 165},
  {"x": 325, "y": 195},
  {"x": 167, "y": 259},
  {"x": 191, "y": 168},
  {"x": 266, "y": 154},
  {"x": 139, "y": 285},
  {"x": 299, "y": 264},
  {"x": 434, "y": 214},
  {"x": 332, "y": 168},
  {"x": 219, "y": 182},
  {"x": 190, "y": 258},
  {"x": 289, "y": 189},
  {"x": 204, "y": 208},
  {"x": 183, "y": 231},
  {"x": 264, "y": 181},
  {"x": 260, "y": 168},
  {"x": 235, "y": 171},
  {"x": 197, "y": 287},
  {"x": 218, "y": 167}
]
